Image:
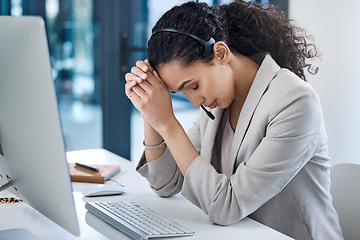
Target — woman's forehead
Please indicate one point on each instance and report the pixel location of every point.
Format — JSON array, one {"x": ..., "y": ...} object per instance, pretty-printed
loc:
[
  {"x": 176, "y": 69},
  {"x": 175, "y": 75}
]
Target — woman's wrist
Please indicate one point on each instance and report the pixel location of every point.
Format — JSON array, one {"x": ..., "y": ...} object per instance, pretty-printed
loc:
[
  {"x": 166, "y": 130},
  {"x": 154, "y": 146},
  {"x": 151, "y": 136}
]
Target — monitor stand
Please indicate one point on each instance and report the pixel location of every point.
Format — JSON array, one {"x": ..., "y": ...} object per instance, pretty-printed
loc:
[{"x": 17, "y": 234}]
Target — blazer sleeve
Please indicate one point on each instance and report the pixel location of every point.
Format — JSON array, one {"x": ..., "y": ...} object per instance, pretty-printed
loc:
[
  {"x": 163, "y": 174},
  {"x": 292, "y": 137}
]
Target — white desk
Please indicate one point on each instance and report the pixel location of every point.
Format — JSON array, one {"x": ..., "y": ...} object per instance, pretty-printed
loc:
[{"x": 177, "y": 208}]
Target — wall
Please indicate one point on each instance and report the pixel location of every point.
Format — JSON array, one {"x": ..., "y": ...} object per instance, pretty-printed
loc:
[{"x": 334, "y": 26}]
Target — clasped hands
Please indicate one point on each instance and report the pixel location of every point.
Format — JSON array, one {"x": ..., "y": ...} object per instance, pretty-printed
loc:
[{"x": 149, "y": 94}]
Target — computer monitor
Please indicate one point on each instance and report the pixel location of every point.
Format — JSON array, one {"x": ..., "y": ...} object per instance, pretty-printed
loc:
[{"x": 32, "y": 155}]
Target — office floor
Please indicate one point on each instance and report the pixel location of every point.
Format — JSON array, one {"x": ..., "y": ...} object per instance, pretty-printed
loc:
[{"x": 82, "y": 124}]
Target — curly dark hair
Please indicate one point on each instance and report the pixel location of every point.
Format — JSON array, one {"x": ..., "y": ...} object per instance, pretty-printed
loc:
[{"x": 247, "y": 28}]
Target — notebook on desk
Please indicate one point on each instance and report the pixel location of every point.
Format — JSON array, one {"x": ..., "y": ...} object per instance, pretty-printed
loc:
[{"x": 81, "y": 174}]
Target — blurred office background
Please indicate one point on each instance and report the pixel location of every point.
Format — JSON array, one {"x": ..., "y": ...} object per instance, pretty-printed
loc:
[{"x": 93, "y": 43}]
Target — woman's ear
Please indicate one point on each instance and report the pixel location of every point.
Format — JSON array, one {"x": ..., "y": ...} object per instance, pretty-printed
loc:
[{"x": 221, "y": 52}]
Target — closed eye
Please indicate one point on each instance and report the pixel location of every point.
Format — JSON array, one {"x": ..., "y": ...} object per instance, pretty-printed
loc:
[{"x": 196, "y": 87}]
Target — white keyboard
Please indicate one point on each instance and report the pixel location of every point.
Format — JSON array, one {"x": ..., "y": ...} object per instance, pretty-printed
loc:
[{"x": 136, "y": 220}]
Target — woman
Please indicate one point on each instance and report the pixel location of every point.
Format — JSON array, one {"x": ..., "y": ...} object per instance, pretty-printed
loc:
[{"x": 265, "y": 154}]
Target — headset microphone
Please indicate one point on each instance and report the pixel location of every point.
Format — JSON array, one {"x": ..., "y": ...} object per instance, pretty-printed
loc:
[{"x": 210, "y": 115}]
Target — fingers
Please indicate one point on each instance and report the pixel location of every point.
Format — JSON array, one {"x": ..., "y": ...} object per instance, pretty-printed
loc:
[
  {"x": 128, "y": 88},
  {"x": 151, "y": 69},
  {"x": 139, "y": 91},
  {"x": 143, "y": 68},
  {"x": 131, "y": 80},
  {"x": 138, "y": 88},
  {"x": 134, "y": 98},
  {"x": 143, "y": 65},
  {"x": 154, "y": 78},
  {"x": 143, "y": 75},
  {"x": 142, "y": 90},
  {"x": 156, "y": 75},
  {"x": 138, "y": 73},
  {"x": 134, "y": 94}
]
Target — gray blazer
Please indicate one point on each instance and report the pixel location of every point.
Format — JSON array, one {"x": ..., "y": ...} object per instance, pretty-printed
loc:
[{"x": 280, "y": 162}]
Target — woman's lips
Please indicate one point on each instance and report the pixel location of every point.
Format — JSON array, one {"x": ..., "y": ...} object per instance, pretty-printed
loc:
[{"x": 213, "y": 105}]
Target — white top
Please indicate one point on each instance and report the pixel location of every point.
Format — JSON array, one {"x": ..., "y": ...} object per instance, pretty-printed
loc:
[{"x": 226, "y": 142}]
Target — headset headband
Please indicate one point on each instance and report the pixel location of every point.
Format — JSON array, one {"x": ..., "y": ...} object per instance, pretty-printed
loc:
[{"x": 208, "y": 45}]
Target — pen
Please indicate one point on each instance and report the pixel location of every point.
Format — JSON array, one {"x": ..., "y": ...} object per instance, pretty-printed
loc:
[{"x": 88, "y": 167}]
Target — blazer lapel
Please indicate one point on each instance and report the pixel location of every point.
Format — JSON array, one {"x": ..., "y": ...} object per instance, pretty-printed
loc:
[{"x": 265, "y": 74}]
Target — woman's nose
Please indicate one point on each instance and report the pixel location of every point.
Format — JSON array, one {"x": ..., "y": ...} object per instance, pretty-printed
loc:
[{"x": 194, "y": 99}]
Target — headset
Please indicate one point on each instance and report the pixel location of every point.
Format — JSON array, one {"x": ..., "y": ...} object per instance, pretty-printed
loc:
[
  {"x": 208, "y": 45},
  {"x": 208, "y": 49}
]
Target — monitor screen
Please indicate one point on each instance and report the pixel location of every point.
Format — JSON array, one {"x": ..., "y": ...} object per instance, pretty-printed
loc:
[{"x": 32, "y": 155}]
